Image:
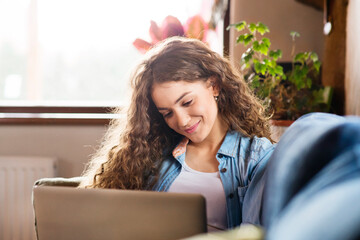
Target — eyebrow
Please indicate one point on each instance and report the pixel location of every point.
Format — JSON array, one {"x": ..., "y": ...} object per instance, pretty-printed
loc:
[{"x": 177, "y": 100}]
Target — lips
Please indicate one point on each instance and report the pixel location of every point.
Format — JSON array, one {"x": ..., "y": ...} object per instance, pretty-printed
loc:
[{"x": 192, "y": 128}]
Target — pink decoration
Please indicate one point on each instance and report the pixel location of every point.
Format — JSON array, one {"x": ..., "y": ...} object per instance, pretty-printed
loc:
[{"x": 195, "y": 27}]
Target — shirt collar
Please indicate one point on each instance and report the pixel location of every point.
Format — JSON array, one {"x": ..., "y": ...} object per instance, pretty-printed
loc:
[
  {"x": 230, "y": 144},
  {"x": 180, "y": 148}
]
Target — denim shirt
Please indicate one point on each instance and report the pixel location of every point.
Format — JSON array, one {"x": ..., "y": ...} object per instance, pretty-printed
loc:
[{"x": 242, "y": 162}]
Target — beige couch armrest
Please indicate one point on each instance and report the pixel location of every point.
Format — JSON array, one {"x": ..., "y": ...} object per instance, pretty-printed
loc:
[{"x": 58, "y": 181}]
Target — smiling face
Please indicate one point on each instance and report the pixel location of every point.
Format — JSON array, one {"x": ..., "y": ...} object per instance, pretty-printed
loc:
[{"x": 189, "y": 108}]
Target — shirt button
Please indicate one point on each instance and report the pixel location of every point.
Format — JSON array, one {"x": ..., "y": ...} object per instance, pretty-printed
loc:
[
  {"x": 231, "y": 195},
  {"x": 220, "y": 155},
  {"x": 223, "y": 170}
]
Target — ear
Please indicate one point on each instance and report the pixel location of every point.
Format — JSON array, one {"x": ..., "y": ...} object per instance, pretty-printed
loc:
[{"x": 213, "y": 83}]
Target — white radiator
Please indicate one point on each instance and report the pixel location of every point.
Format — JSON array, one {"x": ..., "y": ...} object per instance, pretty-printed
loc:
[{"x": 17, "y": 176}]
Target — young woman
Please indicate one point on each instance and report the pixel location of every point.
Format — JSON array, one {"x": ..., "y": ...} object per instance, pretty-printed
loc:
[{"x": 192, "y": 126}]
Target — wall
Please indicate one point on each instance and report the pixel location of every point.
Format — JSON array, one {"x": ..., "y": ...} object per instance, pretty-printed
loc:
[
  {"x": 71, "y": 145},
  {"x": 282, "y": 17},
  {"x": 352, "y": 70}
]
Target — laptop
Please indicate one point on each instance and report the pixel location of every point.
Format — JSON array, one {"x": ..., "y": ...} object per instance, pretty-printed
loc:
[{"x": 73, "y": 213}]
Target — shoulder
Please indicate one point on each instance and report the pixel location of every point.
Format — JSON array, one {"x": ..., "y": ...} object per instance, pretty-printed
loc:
[
  {"x": 246, "y": 148},
  {"x": 256, "y": 148},
  {"x": 262, "y": 145}
]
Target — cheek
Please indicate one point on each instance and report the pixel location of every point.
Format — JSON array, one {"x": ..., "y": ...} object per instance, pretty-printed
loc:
[{"x": 207, "y": 108}]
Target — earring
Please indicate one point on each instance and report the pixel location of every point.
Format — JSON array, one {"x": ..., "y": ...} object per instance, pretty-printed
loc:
[{"x": 216, "y": 98}]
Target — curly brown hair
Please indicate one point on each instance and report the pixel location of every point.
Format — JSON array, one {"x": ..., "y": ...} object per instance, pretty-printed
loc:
[{"x": 134, "y": 148}]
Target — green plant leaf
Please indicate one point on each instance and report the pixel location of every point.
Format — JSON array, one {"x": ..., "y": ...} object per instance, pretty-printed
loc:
[
  {"x": 248, "y": 38},
  {"x": 257, "y": 67},
  {"x": 264, "y": 46},
  {"x": 317, "y": 65},
  {"x": 318, "y": 95},
  {"x": 245, "y": 38},
  {"x": 252, "y": 27},
  {"x": 273, "y": 63},
  {"x": 294, "y": 34},
  {"x": 297, "y": 77},
  {"x": 260, "y": 68},
  {"x": 279, "y": 70},
  {"x": 270, "y": 63},
  {"x": 314, "y": 56},
  {"x": 263, "y": 69},
  {"x": 274, "y": 72},
  {"x": 256, "y": 46},
  {"x": 300, "y": 77},
  {"x": 238, "y": 26},
  {"x": 304, "y": 71},
  {"x": 266, "y": 42},
  {"x": 300, "y": 57},
  {"x": 262, "y": 28},
  {"x": 247, "y": 56},
  {"x": 264, "y": 49},
  {"x": 240, "y": 39},
  {"x": 255, "y": 82},
  {"x": 308, "y": 82},
  {"x": 275, "y": 54}
]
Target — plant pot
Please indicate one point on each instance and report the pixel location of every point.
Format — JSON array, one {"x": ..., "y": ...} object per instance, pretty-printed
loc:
[{"x": 278, "y": 127}]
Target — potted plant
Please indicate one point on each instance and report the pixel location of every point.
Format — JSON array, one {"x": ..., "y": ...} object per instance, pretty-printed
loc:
[{"x": 288, "y": 94}]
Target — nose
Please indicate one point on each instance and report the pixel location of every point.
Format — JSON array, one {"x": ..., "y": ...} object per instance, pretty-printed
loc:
[{"x": 182, "y": 119}]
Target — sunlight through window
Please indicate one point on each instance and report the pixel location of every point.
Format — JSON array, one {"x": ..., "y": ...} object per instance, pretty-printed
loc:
[{"x": 80, "y": 52}]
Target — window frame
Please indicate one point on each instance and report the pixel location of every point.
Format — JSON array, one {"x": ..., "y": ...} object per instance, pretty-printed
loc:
[{"x": 55, "y": 115}]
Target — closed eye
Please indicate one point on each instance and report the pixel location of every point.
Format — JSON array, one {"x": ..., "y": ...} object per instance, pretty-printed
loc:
[
  {"x": 187, "y": 103},
  {"x": 168, "y": 114}
]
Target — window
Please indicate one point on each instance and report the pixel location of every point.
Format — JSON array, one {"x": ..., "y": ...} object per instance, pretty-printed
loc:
[{"x": 80, "y": 52}]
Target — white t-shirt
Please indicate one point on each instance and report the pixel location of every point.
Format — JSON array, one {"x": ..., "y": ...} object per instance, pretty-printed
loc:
[{"x": 210, "y": 186}]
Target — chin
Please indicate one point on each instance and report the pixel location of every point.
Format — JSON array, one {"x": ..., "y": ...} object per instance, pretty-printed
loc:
[{"x": 196, "y": 139}]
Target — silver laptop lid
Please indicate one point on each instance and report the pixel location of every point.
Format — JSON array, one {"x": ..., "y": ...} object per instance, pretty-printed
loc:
[{"x": 72, "y": 213}]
